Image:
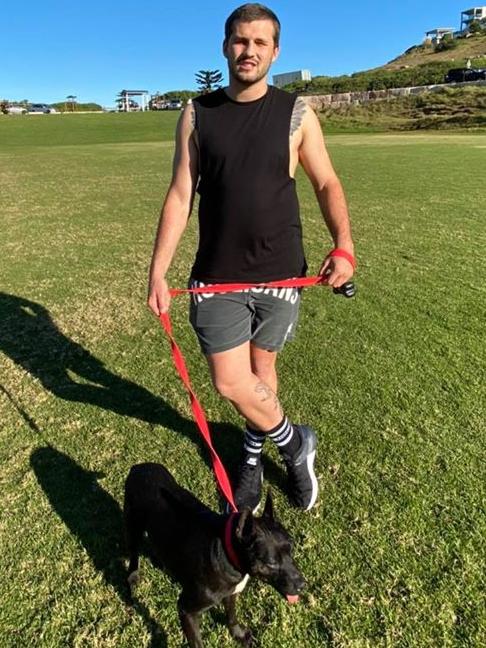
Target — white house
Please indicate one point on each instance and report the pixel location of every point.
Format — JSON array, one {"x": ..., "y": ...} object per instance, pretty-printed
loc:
[
  {"x": 436, "y": 35},
  {"x": 280, "y": 80},
  {"x": 468, "y": 15}
]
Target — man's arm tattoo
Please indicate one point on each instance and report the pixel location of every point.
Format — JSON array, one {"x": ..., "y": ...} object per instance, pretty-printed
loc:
[{"x": 298, "y": 113}]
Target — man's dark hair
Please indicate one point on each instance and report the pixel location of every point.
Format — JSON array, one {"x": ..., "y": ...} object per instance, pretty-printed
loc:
[{"x": 249, "y": 12}]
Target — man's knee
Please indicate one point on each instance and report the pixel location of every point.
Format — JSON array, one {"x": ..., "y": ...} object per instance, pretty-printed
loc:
[
  {"x": 263, "y": 365},
  {"x": 230, "y": 388},
  {"x": 265, "y": 373},
  {"x": 232, "y": 373}
]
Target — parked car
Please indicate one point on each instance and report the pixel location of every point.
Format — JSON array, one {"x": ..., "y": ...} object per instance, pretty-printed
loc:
[
  {"x": 458, "y": 75},
  {"x": 41, "y": 108},
  {"x": 480, "y": 74},
  {"x": 174, "y": 104},
  {"x": 133, "y": 106},
  {"x": 160, "y": 104},
  {"x": 15, "y": 110}
]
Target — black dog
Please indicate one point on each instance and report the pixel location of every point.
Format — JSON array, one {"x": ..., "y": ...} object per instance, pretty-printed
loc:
[{"x": 210, "y": 555}]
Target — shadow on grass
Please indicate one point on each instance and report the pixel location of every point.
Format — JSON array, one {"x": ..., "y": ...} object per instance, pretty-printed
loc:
[
  {"x": 94, "y": 518},
  {"x": 30, "y": 337}
]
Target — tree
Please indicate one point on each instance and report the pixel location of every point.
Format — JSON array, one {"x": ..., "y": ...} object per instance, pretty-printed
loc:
[
  {"x": 475, "y": 27},
  {"x": 208, "y": 80}
]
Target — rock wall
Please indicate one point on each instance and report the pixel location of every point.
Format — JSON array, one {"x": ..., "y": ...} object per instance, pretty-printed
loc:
[{"x": 319, "y": 102}]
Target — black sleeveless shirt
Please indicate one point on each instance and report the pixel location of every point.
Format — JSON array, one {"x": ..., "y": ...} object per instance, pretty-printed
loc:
[{"x": 249, "y": 223}]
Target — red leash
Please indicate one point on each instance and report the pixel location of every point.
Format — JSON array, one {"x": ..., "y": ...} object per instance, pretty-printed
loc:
[
  {"x": 198, "y": 412},
  {"x": 299, "y": 282}
]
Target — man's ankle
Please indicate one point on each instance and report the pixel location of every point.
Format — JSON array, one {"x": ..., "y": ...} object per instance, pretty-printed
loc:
[{"x": 286, "y": 437}]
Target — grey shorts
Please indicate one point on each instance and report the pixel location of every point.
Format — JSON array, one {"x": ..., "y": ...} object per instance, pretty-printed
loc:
[{"x": 223, "y": 321}]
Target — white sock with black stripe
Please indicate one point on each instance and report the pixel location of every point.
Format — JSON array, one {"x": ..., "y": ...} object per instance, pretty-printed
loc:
[
  {"x": 285, "y": 437},
  {"x": 253, "y": 445}
]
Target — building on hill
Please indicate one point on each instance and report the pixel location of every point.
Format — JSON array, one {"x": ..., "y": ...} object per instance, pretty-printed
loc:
[
  {"x": 468, "y": 15},
  {"x": 281, "y": 80},
  {"x": 436, "y": 35},
  {"x": 478, "y": 14}
]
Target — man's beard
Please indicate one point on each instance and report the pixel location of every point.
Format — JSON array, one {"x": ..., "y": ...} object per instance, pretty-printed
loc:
[{"x": 233, "y": 72}]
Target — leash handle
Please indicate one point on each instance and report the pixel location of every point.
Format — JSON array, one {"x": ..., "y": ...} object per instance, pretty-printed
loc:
[{"x": 348, "y": 289}]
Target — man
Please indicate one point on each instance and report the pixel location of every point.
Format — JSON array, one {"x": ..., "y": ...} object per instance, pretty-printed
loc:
[{"x": 240, "y": 147}]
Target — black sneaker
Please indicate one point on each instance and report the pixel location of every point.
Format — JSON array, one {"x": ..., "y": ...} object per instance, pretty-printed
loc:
[
  {"x": 303, "y": 485},
  {"x": 248, "y": 488}
]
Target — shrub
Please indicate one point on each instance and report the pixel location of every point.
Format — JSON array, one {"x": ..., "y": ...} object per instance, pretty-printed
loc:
[
  {"x": 475, "y": 27},
  {"x": 447, "y": 43},
  {"x": 382, "y": 79}
]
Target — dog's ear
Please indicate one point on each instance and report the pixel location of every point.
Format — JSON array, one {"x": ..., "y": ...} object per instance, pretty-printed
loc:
[
  {"x": 245, "y": 527},
  {"x": 268, "y": 510}
]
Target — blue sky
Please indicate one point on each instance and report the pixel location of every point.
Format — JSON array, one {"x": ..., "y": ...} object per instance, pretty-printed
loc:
[{"x": 51, "y": 49}]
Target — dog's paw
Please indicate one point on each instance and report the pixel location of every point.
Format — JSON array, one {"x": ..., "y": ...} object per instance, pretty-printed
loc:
[
  {"x": 133, "y": 580},
  {"x": 242, "y": 634}
]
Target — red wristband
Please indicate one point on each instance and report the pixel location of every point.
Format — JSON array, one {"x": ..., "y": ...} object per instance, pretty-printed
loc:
[{"x": 339, "y": 252}]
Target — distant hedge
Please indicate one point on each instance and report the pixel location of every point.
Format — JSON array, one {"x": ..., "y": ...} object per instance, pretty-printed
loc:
[
  {"x": 381, "y": 79},
  {"x": 183, "y": 95},
  {"x": 66, "y": 106}
]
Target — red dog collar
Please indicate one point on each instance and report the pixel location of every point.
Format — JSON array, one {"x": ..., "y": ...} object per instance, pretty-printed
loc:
[{"x": 228, "y": 544}]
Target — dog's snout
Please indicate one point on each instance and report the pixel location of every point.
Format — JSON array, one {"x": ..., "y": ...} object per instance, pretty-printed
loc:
[
  {"x": 295, "y": 582},
  {"x": 300, "y": 585}
]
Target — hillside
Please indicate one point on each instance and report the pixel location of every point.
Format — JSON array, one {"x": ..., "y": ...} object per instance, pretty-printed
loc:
[
  {"x": 419, "y": 65},
  {"x": 466, "y": 48},
  {"x": 451, "y": 108}
]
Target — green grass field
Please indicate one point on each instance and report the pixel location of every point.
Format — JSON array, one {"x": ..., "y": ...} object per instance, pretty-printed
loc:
[{"x": 393, "y": 381}]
